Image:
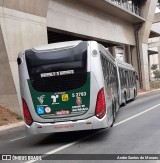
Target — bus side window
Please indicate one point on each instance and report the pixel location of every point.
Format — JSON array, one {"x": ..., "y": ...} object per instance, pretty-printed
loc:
[
  {"x": 132, "y": 75},
  {"x": 130, "y": 79},
  {"x": 126, "y": 77},
  {"x": 103, "y": 64},
  {"x": 107, "y": 72},
  {"x": 121, "y": 77},
  {"x": 115, "y": 77},
  {"x": 112, "y": 75},
  {"x": 124, "y": 81},
  {"x": 135, "y": 78}
]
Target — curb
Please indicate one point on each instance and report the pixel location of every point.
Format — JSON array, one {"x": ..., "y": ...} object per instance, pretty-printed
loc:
[
  {"x": 143, "y": 93},
  {"x": 13, "y": 125}
]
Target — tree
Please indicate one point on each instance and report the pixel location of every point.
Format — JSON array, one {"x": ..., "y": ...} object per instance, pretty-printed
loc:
[
  {"x": 154, "y": 67},
  {"x": 156, "y": 74}
]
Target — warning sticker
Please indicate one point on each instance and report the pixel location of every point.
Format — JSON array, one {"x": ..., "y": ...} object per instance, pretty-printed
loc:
[{"x": 65, "y": 97}]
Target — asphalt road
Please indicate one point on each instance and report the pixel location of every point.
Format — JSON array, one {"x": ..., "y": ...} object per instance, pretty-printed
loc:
[{"x": 136, "y": 131}]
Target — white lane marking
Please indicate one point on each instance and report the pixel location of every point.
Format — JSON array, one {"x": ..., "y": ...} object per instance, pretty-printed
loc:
[
  {"x": 136, "y": 115},
  {"x": 63, "y": 147},
  {"x": 18, "y": 138},
  {"x": 75, "y": 142}
]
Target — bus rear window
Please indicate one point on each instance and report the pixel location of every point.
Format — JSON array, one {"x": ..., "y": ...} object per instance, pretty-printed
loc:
[
  {"x": 74, "y": 59},
  {"x": 59, "y": 70}
]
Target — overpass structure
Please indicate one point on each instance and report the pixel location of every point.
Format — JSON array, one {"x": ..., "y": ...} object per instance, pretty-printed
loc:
[
  {"x": 113, "y": 23},
  {"x": 154, "y": 39}
]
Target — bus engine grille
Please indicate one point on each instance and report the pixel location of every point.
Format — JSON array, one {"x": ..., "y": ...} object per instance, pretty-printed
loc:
[{"x": 59, "y": 83}]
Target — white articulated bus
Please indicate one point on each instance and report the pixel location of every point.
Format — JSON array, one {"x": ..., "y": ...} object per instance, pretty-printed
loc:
[
  {"x": 70, "y": 86},
  {"x": 127, "y": 82}
]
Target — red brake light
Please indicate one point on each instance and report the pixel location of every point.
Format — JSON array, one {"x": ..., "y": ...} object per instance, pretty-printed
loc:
[
  {"x": 100, "y": 105},
  {"x": 27, "y": 116}
]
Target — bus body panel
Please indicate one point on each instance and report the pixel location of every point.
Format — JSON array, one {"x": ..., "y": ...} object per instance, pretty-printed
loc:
[
  {"x": 96, "y": 67},
  {"x": 79, "y": 122},
  {"x": 54, "y": 99},
  {"x": 86, "y": 124},
  {"x": 127, "y": 83},
  {"x": 95, "y": 81},
  {"x": 93, "y": 97},
  {"x": 110, "y": 81}
]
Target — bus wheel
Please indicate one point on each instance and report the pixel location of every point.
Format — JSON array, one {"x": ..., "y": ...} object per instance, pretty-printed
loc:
[
  {"x": 125, "y": 100},
  {"x": 113, "y": 113},
  {"x": 134, "y": 96}
]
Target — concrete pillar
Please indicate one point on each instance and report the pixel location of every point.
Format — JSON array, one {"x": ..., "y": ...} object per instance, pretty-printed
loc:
[
  {"x": 112, "y": 50},
  {"x": 149, "y": 68},
  {"x": 148, "y": 11},
  {"x": 8, "y": 97},
  {"x": 127, "y": 54},
  {"x": 144, "y": 66},
  {"x": 135, "y": 63},
  {"x": 124, "y": 53},
  {"x": 159, "y": 56},
  {"x": 19, "y": 30}
]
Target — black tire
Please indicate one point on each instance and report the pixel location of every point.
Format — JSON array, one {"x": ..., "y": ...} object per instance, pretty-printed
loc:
[
  {"x": 134, "y": 96},
  {"x": 125, "y": 100},
  {"x": 113, "y": 113}
]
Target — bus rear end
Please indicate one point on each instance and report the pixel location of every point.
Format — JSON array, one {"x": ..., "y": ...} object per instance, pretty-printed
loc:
[{"x": 59, "y": 92}]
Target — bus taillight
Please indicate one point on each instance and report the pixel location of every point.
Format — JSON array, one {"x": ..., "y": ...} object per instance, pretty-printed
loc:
[
  {"x": 27, "y": 116},
  {"x": 100, "y": 105}
]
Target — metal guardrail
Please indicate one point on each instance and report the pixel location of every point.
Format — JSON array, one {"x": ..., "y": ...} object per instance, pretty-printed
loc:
[{"x": 128, "y": 6}]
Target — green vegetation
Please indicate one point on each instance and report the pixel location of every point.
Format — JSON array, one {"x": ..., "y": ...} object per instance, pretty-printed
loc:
[
  {"x": 18, "y": 117},
  {"x": 155, "y": 71},
  {"x": 156, "y": 74},
  {"x": 154, "y": 67},
  {"x": 155, "y": 84}
]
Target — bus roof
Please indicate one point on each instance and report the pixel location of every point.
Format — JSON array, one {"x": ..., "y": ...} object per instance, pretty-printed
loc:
[
  {"x": 124, "y": 65},
  {"x": 107, "y": 53},
  {"x": 57, "y": 46}
]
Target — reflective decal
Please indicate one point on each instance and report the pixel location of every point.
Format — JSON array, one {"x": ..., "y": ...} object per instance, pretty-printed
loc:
[
  {"x": 47, "y": 109},
  {"x": 41, "y": 99},
  {"x": 62, "y": 104},
  {"x": 54, "y": 97},
  {"x": 40, "y": 110},
  {"x": 79, "y": 108},
  {"x": 62, "y": 112},
  {"x": 65, "y": 97},
  {"x": 79, "y": 101}
]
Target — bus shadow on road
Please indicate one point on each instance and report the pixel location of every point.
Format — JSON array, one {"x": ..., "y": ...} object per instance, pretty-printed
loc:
[{"x": 67, "y": 137}]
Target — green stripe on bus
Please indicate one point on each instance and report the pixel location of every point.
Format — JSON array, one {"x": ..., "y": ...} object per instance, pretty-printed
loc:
[{"x": 61, "y": 104}]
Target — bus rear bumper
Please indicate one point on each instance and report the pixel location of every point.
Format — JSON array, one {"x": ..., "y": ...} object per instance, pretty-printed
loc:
[{"x": 87, "y": 124}]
